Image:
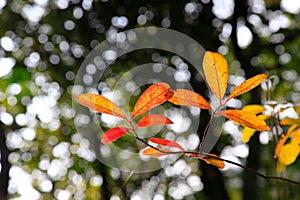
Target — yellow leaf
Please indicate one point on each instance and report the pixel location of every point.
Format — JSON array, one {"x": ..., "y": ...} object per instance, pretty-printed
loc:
[
  {"x": 247, "y": 85},
  {"x": 213, "y": 159},
  {"x": 290, "y": 121},
  {"x": 283, "y": 139},
  {"x": 247, "y": 134},
  {"x": 216, "y": 73},
  {"x": 280, "y": 167},
  {"x": 189, "y": 98},
  {"x": 289, "y": 153},
  {"x": 254, "y": 109},
  {"x": 245, "y": 119},
  {"x": 154, "y": 153},
  {"x": 100, "y": 104}
]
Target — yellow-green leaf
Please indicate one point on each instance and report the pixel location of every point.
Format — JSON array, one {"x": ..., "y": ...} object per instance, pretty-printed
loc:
[
  {"x": 216, "y": 73},
  {"x": 247, "y": 85}
]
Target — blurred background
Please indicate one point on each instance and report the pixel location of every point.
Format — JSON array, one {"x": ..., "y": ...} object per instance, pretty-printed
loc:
[{"x": 44, "y": 42}]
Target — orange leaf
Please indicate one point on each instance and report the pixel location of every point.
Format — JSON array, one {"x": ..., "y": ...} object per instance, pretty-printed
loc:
[
  {"x": 168, "y": 143},
  {"x": 216, "y": 73},
  {"x": 113, "y": 134},
  {"x": 245, "y": 119},
  {"x": 189, "y": 98},
  {"x": 100, "y": 104},
  {"x": 154, "y": 153},
  {"x": 247, "y": 85},
  {"x": 153, "y": 96},
  {"x": 213, "y": 159},
  {"x": 153, "y": 120}
]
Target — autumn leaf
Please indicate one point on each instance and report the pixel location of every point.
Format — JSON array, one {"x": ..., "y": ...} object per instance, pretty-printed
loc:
[
  {"x": 289, "y": 153},
  {"x": 189, "y": 98},
  {"x": 283, "y": 139},
  {"x": 290, "y": 121},
  {"x": 213, "y": 159},
  {"x": 247, "y": 85},
  {"x": 100, "y": 104},
  {"x": 113, "y": 134},
  {"x": 249, "y": 132},
  {"x": 154, "y": 153},
  {"x": 254, "y": 108},
  {"x": 168, "y": 143},
  {"x": 153, "y": 96},
  {"x": 216, "y": 73},
  {"x": 245, "y": 119},
  {"x": 153, "y": 120}
]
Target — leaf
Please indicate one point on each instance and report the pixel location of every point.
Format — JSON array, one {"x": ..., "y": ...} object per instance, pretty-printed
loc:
[
  {"x": 283, "y": 139},
  {"x": 153, "y": 96},
  {"x": 154, "y": 153},
  {"x": 153, "y": 120},
  {"x": 289, "y": 153},
  {"x": 245, "y": 119},
  {"x": 216, "y": 73},
  {"x": 113, "y": 134},
  {"x": 168, "y": 143},
  {"x": 100, "y": 104},
  {"x": 249, "y": 132},
  {"x": 280, "y": 167},
  {"x": 213, "y": 159},
  {"x": 247, "y": 85},
  {"x": 189, "y": 98},
  {"x": 290, "y": 121},
  {"x": 254, "y": 108}
]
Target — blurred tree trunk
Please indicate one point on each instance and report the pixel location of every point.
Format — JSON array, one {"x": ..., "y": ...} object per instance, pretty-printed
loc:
[
  {"x": 250, "y": 186},
  {"x": 4, "y": 176}
]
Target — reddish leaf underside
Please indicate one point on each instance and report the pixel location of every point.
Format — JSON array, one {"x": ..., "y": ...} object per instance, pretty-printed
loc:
[
  {"x": 189, "y": 98},
  {"x": 168, "y": 143},
  {"x": 216, "y": 73},
  {"x": 153, "y": 120},
  {"x": 100, "y": 104},
  {"x": 245, "y": 119},
  {"x": 154, "y": 153},
  {"x": 153, "y": 96},
  {"x": 247, "y": 85},
  {"x": 113, "y": 134},
  {"x": 213, "y": 159}
]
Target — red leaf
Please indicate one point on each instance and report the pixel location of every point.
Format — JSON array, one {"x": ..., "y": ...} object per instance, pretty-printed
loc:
[
  {"x": 168, "y": 143},
  {"x": 113, "y": 134},
  {"x": 153, "y": 96},
  {"x": 153, "y": 120},
  {"x": 100, "y": 104},
  {"x": 189, "y": 98}
]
